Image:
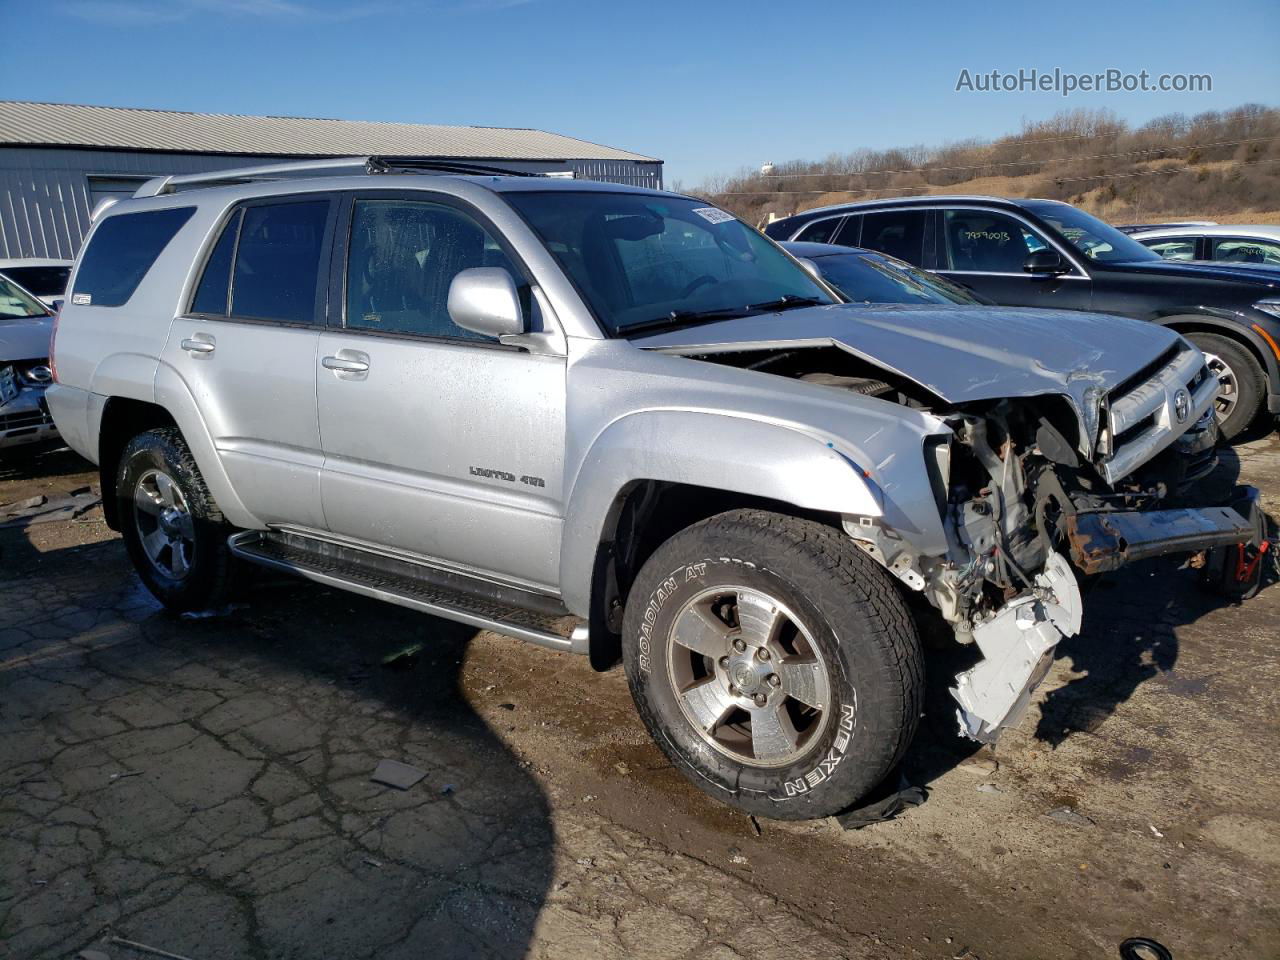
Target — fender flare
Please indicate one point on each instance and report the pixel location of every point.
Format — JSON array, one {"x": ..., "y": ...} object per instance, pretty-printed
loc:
[
  {"x": 714, "y": 450},
  {"x": 1235, "y": 329},
  {"x": 172, "y": 393}
]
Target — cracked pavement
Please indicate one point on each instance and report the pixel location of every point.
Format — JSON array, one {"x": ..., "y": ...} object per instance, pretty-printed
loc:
[{"x": 201, "y": 785}]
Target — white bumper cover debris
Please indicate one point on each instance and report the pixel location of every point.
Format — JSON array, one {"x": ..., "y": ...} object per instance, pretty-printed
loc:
[{"x": 1017, "y": 648}]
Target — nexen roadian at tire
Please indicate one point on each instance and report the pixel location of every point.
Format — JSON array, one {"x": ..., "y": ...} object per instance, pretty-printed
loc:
[
  {"x": 773, "y": 662},
  {"x": 175, "y": 534}
]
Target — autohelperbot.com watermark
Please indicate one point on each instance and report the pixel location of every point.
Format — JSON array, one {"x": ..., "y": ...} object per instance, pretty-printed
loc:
[{"x": 1066, "y": 82}]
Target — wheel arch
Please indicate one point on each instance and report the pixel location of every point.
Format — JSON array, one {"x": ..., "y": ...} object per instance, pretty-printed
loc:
[
  {"x": 1232, "y": 330},
  {"x": 626, "y": 500}
]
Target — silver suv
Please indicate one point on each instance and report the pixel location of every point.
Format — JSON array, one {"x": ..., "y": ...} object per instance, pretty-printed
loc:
[{"x": 614, "y": 421}]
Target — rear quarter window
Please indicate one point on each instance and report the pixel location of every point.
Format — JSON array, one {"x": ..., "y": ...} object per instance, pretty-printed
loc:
[{"x": 120, "y": 253}]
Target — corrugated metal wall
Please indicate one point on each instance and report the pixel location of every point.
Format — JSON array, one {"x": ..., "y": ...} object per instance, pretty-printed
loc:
[{"x": 45, "y": 198}]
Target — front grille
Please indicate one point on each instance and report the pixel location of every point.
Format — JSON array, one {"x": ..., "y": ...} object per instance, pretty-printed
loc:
[
  {"x": 1143, "y": 409},
  {"x": 28, "y": 418}
]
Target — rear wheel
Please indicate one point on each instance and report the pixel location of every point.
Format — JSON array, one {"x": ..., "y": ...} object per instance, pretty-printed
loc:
[
  {"x": 773, "y": 662},
  {"x": 1241, "y": 378},
  {"x": 173, "y": 530}
]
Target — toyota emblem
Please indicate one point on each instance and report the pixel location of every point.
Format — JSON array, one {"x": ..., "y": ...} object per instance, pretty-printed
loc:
[{"x": 1182, "y": 405}]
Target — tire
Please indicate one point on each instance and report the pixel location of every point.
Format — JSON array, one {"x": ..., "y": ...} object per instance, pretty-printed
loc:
[
  {"x": 193, "y": 571},
  {"x": 1244, "y": 382},
  {"x": 717, "y": 582}
]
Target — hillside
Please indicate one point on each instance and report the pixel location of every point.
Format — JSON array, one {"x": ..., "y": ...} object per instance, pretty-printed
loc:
[{"x": 1222, "y": 166}]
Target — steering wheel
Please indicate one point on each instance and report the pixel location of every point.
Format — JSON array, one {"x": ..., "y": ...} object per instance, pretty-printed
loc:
[{"x": 695, "y": 283}]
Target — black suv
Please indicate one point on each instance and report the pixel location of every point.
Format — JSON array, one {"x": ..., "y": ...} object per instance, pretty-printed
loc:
[{"x": 1043, "y": 253}]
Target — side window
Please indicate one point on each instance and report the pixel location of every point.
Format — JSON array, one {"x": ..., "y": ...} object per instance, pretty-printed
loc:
[
  {"x": 214, "y": 292},
  {"x": 850, "y": 234},
  {"x": 983, "y": 241},
  {"x": 403, "y": 256},
  {"x": 277, "y": 266},
  {"x": 121, "y": 252},
  {"x": 899, "y": 233},
  {"x": 820, "y": 231},
  {"x": 1246, "y": 250},
  {"x": 1176, "y": 248}
]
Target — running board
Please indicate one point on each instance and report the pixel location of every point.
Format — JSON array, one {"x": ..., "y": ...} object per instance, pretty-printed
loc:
[{"x": 412, "y": 585}]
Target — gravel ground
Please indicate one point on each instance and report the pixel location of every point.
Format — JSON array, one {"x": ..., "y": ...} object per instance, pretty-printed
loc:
[{"x": 201, "y": 785}]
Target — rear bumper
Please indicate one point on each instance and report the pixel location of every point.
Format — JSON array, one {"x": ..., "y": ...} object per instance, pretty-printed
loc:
[{"x": 1107, "y": 541}]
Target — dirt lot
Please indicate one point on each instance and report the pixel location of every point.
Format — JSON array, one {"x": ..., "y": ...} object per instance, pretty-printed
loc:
[{"x": 201, "y": 785}]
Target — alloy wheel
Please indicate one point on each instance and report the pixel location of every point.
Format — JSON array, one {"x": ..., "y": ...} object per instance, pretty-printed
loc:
[
  {"x": 748, "y": 676},
  {"x": 164, "y": 524}
]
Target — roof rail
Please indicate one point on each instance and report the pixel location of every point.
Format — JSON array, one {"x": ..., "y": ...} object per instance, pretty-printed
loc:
[{"x": 336, "y": 167}]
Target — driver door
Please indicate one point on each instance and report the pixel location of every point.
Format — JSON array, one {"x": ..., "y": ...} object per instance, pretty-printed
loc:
[{"x": 438, "y": 441}]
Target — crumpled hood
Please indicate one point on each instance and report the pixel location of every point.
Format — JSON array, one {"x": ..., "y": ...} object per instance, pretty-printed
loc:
[
  {"x": 25, "y": 339},
  {"x": 960, "y": 353}
]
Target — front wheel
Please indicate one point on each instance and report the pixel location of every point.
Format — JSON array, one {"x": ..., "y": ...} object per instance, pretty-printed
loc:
[
  {"x": 774, "y": 663},
  {"x": 1242, "y": 381},
  {"x": 173, "y": 530}
]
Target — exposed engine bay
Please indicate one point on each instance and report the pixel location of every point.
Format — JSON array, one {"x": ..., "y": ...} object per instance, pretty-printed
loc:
[{"x": 1033, "y": 492}]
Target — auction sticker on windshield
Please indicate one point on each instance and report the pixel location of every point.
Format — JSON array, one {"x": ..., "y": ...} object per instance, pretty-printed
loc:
[{"x": 713, "y": 215}]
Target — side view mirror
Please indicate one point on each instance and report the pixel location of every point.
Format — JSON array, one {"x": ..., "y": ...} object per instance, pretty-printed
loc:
[
  {"x": 56, "y": 307},
  {"x": 1045, "y": 261},
  {"x": 485, "y": 300}
]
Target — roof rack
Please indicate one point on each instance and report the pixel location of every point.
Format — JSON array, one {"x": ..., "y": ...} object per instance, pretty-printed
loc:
[{"x": 336, "y": 167}]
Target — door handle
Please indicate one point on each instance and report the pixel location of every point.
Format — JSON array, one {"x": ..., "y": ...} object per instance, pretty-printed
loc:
[
  {"x": 343, "y": 365},
  {"x": 198, "y": 346}
]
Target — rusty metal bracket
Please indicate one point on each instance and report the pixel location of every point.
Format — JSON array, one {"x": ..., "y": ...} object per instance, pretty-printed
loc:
[{"x": 1108, "y": 541}]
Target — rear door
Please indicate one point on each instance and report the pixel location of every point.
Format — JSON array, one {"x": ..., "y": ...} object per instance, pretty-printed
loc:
[
  {"x": 985, "y": 250},
  {"x": 246, "y": 349},
  {"x": 438, "y": 442}
]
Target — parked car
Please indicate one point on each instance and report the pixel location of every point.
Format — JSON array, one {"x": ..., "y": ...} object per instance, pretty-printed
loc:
[
  {"x": 1132, "y": 228},
  {"x": 1233, "y": 243},
  {"x": 608, "y": 419},
  {"x": 25, "y": 328},
  {"x": 868, "y": 276},
  {"x": 1042, "y": 253},
  {"x": 47, "y": 279}
]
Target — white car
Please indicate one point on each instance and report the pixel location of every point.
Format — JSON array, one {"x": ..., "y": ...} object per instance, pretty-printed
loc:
[
  {"x": 1224, "y": 242},
  {"x": 45, "y": 278}
]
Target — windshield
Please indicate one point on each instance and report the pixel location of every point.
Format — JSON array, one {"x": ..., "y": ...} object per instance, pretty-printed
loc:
[
  {"x": 646, "y": 262},
  {"x": 17, "y": 304},
  {"x": 1095, "y": 239},
  {"x": 875, "y": 278},
  {"x": 42, "y": 281}
]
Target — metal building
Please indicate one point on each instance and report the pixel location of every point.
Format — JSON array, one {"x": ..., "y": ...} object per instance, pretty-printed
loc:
[{"x": 57, "y": 160}]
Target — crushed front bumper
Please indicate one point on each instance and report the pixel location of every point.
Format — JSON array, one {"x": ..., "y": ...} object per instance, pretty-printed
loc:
[{"x": 1108, "y": 541}]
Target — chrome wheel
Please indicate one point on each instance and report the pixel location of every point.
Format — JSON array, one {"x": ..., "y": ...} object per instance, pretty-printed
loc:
[
  {"x": 164, "y": 524},
  {"x": 1229, "y": 391},
  {"x": 748, "y": 676}
]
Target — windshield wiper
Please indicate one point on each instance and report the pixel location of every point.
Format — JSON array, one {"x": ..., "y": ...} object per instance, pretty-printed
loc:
[
  {"x": 678, "y": 318},
  {"x": 788, "y": 302}
]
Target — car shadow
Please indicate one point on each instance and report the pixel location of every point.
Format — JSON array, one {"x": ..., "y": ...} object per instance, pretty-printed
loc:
[
  {"x": 263, "y": 821},
  {"x": 40, "y": 461}
]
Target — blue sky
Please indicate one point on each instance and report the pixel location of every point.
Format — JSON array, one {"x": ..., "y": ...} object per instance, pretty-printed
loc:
[{"x": 709, "y": 87}]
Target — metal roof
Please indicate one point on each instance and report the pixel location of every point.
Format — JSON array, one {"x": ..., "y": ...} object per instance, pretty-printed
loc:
[{"x": 125, "y": 128}]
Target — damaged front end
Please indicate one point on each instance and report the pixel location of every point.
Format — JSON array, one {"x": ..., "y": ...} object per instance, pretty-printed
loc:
[
  {"x": 1055, "y": 453},
  {"x": 1035, "y": 489},
  {"x": 1029, "y": 489}
]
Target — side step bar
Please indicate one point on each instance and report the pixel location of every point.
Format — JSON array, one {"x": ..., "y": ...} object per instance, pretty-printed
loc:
[{"x": 411, "y": 585}]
